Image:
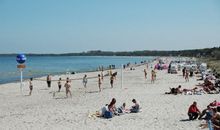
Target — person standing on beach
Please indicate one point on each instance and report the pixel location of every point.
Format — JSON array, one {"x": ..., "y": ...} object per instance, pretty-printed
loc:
[
  {"x": 184, "y": 71},
  {"x": 145, "y": 73},
  {"x": 68, "y": 86},
  {"x": 48, "y": 81},
  {"x": 59, "y": 85},
  {"x": 187, "y": 76},
  {"x": 30, "y": 86},
  {"x": 99, "y": 82},
  {"x": 110, "y": 72},
  {"x": 102, "y": 75},
  {"x": 68, "y": 79},
  {"x": 112, "y": 81},
  {"x": 152, "y": 76},
  {"x": 85, "y": 80}
]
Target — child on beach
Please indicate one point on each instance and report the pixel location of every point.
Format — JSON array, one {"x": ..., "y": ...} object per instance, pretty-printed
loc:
[
  {"x": 30, "y": 86},
  {"x": 99, "y": 82},
  {"x": 85, "y": 80},
  {"x": 59, "y": 85},
  {"x": 48, "y": 81},
  {"x": 68, "y": 86},
  {"x": 122, "y": 108}
]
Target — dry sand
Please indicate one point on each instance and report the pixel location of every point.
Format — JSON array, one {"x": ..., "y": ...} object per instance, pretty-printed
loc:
[{"x": 43, "y": 111}]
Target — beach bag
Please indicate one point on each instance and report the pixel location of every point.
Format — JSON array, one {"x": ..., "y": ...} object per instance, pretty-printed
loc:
[{"x": 107, "y": 114}]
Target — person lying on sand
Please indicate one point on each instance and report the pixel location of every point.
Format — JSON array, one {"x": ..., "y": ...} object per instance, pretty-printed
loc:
[
  {"x": 215, "y": 104},
  {"x": 194, "y": 90},
  {"x": 175, "y": 91}
]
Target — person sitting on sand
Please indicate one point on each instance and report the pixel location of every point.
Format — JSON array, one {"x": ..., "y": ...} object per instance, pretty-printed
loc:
[
  {"x": 175, "y": 91},
  {"x": 135, "y": 108},
  {"x": 68, "y": 86},
  {"x": 59, "y": 85},
  {"x": 208, "y": 112},
  {"x": 122, "y": 109},
  {"x": 216, "y": 119},
  {"x": 193, "y": 111},
  {"x": 108, "y": 110},
  {"x": 30, "y": 86},
  {"x": 112, "y": 108}
]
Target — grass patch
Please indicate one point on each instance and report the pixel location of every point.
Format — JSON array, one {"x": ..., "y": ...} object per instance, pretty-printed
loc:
[{"x": 212, "y": 63}]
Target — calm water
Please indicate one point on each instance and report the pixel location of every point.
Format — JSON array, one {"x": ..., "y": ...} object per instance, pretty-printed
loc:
[{"x": 42, "y": 65}]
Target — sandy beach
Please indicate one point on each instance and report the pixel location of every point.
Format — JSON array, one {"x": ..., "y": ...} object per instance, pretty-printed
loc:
[{"x": 44, "y": 110}]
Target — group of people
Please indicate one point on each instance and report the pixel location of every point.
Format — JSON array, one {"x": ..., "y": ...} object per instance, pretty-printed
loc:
[
  {"x": 67, "y": 85},
  {"x": 110, "y": 110},
  {"x": 209, "y": 87},
  {"x": 153, "y": 75},
  {"x": 179, "y": 90},
  {"x": 101, "y": 79},
  {"x": 210, "y": 114}
]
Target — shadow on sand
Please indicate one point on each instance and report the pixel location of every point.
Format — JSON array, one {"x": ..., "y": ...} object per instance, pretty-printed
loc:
[
  {"x": 60, "y": 98},
  {"x": 93, "y": 92},
  {"x": 183, "y": 120}
]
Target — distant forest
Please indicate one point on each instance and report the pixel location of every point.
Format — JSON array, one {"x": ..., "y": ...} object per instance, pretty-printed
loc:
[{"x": 206, "y": 52}]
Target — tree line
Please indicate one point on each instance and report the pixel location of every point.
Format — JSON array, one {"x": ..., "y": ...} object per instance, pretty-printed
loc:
[{"x": 206, "y": 52}]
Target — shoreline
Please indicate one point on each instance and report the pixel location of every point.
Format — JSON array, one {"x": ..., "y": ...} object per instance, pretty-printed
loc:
[{"x": 37, "y": 74}]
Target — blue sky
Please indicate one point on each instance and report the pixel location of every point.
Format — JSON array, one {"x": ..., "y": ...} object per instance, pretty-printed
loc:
[{"x": 60, "y": 26}]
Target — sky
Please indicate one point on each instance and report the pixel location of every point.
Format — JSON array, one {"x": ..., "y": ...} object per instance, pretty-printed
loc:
[{"x": 65, "y": 26}]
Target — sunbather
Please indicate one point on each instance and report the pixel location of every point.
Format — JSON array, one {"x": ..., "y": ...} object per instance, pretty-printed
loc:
[{"x": 175, "y": 91}]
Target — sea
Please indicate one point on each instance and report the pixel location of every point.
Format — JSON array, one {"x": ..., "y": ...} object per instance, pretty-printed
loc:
[{"x": 38, "y": 66}]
